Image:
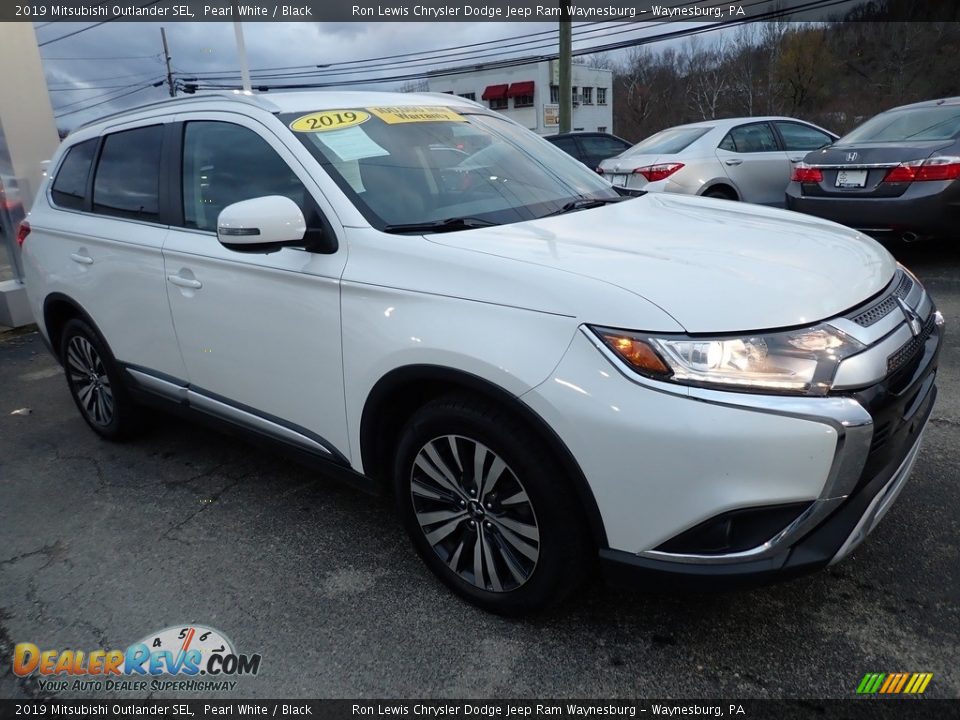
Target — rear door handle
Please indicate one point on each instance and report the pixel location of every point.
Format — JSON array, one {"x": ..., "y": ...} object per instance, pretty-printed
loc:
[
  {"x": 183, "y": 282},
  {"x": 82, "y": 259},
  {"x": 733, "y": 162}
]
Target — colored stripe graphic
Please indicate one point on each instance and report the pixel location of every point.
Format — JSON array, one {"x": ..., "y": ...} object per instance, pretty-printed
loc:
[{"x": 894, "y": 683}]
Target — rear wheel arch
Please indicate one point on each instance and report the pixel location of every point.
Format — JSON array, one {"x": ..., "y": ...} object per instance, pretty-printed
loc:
[
  {"x": 721, "y": 189},
  {"x": 401, "y": 392},
  {"x": 58, "y": 310}
]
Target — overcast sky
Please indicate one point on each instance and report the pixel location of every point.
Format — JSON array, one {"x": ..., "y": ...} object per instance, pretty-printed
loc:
[{"x": 112, "y": 59}]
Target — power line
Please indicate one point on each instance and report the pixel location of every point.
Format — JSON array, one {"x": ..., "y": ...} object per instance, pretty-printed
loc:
[
  {"x": 116, "y": 97},
  {"x": 91, "y": 27},
  {"x": 116, "y": 57}
]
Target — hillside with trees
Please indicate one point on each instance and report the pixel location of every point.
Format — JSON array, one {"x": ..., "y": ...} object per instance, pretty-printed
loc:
[{"x": 833, "y": 74}]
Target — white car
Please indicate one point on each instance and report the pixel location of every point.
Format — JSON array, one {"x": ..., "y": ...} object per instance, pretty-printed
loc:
[
  {"x": 748, "y": 159},
  {"x": 543, "y": 371}
]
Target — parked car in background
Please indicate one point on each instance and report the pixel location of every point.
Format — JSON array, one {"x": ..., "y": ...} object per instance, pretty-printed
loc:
[
  {"x": 897, "y": 175},
  {"x": 746, "y": 159},
  {"x": 590, "y": 148}
]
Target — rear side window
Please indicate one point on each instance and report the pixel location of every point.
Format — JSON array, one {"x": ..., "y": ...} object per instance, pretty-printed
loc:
[
  {"x": 127, "y": 183},
  {"x": 802, "y": 137},
  {"x": 929, "y": 123},
  {"x": 70, "y": 186},
  {"x": 568, "y": 145},
  {"x": 754, "y": 138},
  {"x": 602, "y": 147}
]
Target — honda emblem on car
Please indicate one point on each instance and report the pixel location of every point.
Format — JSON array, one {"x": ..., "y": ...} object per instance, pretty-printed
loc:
[{"x": 851, "y": 156}]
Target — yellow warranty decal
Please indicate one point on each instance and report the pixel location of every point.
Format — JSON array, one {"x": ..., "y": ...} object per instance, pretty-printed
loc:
[
  {"x": 329, "y": 120},
  {"x": 414, "y": 113}
]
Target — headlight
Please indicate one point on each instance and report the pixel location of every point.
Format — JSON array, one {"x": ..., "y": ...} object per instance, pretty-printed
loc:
[{"x": 796, "y": 361}]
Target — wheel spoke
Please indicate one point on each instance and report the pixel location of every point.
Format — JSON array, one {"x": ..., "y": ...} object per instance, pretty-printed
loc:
[
  {"x": 528, "y": 531},
  {"x": 479, "y": 460},
  {"x": 511, "y": 564},
  {"x": 424, "y": 464},
  {"x": 441, "y": 532},
  {"x": 455, "y": 452},
  {"x": 490, "y": 563},
  {"x": 490, "y": 478},
  {"x": 516, "y": 499},
  {"x": 530, "y": 552},
  {"x": 455, "y": 560},
  {"x": 431, "y": 518},
  {"x": 83, "y": 394},
  {"x": 478, "y": 562},
  {"x": 418, "y": 488},
  {"x": 438, "y": 462}
]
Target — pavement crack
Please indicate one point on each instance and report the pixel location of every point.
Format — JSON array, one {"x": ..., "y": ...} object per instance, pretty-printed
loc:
[
  {"x": 54, "y": 552},
  {"x": 210, "y": 503},
  {"x": 952, "y": 422}
]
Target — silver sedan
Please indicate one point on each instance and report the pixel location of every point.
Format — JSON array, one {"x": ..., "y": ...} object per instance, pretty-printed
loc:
[{"x": 746, "y": 159}]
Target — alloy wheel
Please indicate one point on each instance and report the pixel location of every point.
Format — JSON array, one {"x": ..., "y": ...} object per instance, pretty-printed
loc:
[
  {"x": 88, "y": 377},
  {"x": 475, "y": 513}
]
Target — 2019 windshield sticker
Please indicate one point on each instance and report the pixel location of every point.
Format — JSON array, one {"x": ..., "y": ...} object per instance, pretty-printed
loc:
[{"x": 328, "y": 120}]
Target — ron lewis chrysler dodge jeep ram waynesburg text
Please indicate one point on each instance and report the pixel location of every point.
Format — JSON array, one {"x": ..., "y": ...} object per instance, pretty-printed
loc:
[{"x": 546, "y": 371}]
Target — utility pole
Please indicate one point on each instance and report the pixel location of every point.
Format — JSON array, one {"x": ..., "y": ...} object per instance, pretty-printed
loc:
[
  {"x": 566, "y": 91},
  {"x": 166, "y": 57},
  {"x": 242, "y": 52}
]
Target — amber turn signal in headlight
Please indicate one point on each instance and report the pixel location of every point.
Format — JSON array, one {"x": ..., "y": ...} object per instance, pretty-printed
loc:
[{"x": 635, "y": 351}]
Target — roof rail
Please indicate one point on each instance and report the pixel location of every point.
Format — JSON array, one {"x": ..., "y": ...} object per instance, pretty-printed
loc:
[{"x": 255, "y": 100}]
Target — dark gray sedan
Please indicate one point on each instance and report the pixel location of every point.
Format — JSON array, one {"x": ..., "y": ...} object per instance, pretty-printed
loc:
[{"x": 896, "y": 176}]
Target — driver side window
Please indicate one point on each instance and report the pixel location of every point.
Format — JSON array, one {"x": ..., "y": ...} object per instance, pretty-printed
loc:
[{"x": 224, "y": 164}]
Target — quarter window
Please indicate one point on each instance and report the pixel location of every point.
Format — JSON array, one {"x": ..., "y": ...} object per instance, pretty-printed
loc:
[
  {"x": 70, "y": 186},
  {"x": 127, "y": 183},
  {"x": 224, "y": 164}
]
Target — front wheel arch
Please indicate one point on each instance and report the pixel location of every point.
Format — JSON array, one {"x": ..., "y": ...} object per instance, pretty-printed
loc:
[{"x": 402, "y": 391}]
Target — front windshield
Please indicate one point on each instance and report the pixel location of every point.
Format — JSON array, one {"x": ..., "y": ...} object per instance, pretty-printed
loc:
[
  {"x": 417, "y": 165},
  {"x": 929, "y": 123}
]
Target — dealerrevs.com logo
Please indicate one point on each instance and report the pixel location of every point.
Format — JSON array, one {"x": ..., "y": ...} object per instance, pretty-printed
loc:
[{"x": 179, "y": 658}]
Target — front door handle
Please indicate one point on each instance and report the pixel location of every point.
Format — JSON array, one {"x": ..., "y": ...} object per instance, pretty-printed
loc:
[
  {"x": 183, "y": 282},
  {"x": 82, "y": 259},
  {"x": 733, "y": 162}
]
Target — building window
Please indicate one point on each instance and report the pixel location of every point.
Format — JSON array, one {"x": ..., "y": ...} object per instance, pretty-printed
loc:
[
  {"x": 554, "y": 94},
  {"x": 602, "y": 128},
  {"x": 521, "y": 101},
  {"x": 588, "y": 96},
  {"x": 601, "y": 96},
  {"x": 468, "y": 96},
  {"x": 576, "y": 98},
  {"x": 498, "y": 103}
]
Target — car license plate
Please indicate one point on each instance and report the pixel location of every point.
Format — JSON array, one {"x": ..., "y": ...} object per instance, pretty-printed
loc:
[
  {"x": 618, "y": 180},
  {"x": 852, "y": 178}
]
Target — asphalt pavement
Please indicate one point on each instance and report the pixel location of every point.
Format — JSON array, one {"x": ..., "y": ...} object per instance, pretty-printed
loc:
[{"x": 101, "y": 544}]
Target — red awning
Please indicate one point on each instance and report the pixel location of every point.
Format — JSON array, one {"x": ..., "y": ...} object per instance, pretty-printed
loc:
[
  {"x": 494, "y": 92},
  {"x": 520, "y": 88}
]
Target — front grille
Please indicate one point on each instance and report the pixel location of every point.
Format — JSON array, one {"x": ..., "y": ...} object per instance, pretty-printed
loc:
[
  {"x": 883, "y": 308},
  {"x": 909, "y": 351}
]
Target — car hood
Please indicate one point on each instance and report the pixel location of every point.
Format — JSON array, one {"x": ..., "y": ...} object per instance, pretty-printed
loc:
[{"x": 713, "y": 265}]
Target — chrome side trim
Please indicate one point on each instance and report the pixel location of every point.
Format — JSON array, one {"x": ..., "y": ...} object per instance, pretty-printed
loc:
[
  {"x": 854, "y": 166},
  {"x": 880, "y": 504},
  {"x": 242, "y": 417},
  {"x": 158, "y": 385}
]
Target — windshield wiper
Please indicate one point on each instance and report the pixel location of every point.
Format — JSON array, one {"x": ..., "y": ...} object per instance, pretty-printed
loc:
[
  {"x": 448, "y": 225},
  {"x": 586, "y": 204}
]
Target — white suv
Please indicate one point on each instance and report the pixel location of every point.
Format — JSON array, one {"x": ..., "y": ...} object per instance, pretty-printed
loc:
[{"x": 434, "y": 302}]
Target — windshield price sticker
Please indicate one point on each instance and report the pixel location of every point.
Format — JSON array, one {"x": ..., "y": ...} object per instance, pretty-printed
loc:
[
  {"x": 413, "y": 114},
  {"x": 329, "y": 120}
]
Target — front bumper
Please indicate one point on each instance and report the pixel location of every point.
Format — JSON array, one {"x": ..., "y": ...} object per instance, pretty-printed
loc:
[{"x": 664, "y": 460}]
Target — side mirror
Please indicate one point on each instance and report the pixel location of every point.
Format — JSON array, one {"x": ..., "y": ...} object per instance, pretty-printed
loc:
[{"x": 263, "y": 224}]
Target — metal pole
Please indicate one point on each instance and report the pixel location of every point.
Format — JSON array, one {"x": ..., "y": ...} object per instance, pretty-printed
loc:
[
  {"x": 242, "y": 52},
  {"x": 166, "y": 56},
  {"x": 566, "y": 90}
]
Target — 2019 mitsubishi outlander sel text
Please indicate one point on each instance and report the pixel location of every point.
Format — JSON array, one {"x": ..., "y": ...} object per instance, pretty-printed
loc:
[{"x": 544, "y": 371}]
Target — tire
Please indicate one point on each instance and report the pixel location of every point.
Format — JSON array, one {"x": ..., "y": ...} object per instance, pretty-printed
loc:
[
  {"x": 512, "y": 543},
  {"x": 720, "y": 194},
  {"x": 96, "y": 383}
]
